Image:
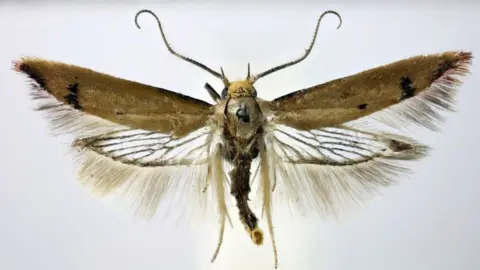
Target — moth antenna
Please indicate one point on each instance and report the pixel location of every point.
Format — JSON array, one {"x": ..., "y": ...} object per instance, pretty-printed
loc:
[
  {"x": 307, "y": 51},
  {"x": 248, "y": 71},
  {"x": 170, "y": 49}
]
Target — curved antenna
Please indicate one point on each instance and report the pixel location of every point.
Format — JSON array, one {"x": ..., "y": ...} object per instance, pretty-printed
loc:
[
  {"x": 170, "y": 49},
  {"x": 307, "y": 51}
]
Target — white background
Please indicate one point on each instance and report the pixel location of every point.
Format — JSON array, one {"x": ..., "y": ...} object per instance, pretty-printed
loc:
[{"x": 47, "y": 221}]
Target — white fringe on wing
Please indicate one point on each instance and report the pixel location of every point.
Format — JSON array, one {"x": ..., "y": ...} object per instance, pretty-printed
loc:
[
  {"x": 146, "y": 187},
  {"x": 331, "y": 187},
  {"x": 424, "y": 109}
]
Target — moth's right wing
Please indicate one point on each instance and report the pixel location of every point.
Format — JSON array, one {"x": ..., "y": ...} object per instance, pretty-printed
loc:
[
  {"x": 328, "y": 170},
  {"x": 324, "y": 149},
  {"x": 413, "y": 90},
  {"x": 145, "y": 141}
]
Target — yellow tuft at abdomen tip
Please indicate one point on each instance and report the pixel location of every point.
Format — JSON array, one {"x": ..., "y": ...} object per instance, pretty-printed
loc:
[{"x": 257, "y": 236}]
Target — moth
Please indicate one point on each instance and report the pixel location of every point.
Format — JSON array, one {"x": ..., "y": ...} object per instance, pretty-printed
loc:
[{"x": 313, "y": 148}]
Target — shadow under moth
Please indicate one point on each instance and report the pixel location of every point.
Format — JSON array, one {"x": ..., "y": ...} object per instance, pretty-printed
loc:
[{"x": 313, "y": 148}]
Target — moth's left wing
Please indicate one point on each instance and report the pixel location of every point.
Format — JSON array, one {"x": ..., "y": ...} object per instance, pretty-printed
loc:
[
  {"x": 147, "y": 142},
  {"x": 409, "y": 90},
  {"x": 119, "y": 101},
  {"x": 149, "y": 167}
]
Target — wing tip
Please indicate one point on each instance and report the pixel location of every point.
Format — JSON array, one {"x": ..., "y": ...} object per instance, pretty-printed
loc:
[
  {"x": 462, "y": 62},
  {"x": 458, "y": 64},
  {"x": 466, "y": 56},
  {"x": 440, "y": 94},
  {"x": 21, "y": 65},
  {"x": 464, "y": 59},
  {"x": 17, "y": 65}
]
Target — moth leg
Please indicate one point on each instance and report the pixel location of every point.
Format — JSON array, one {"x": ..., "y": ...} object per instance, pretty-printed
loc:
[
  {"x": 220, "y": 239},
  {"x": 207, "y": 184},
  {"x": 274, "y": 183},
  {"x": 268, "y": 214},
  {"x": 267, "y": 199},
  {"x": 217, "y": 173}
]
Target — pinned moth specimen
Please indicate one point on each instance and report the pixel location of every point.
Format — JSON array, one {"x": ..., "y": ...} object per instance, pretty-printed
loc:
[{"x": 310, "y": 148}]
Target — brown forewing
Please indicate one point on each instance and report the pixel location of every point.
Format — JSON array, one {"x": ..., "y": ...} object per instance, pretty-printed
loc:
[
  {"x": 349, "y": 98},
  {"x": 118, "y": 100}
]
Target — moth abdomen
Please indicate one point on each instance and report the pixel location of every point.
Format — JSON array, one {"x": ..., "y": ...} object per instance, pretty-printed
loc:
[{"x": 240, "y": 189}]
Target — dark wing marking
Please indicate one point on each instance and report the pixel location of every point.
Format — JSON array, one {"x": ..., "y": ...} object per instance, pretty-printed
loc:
[
  {"x": 329, "y": 168},
  {"x": 130, "y": 138},
  {"x": 408, "y": 90},
  {"x": 120, "y": 101}
]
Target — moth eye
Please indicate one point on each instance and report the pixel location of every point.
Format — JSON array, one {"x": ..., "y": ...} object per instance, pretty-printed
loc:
[
  {"x": 224, "y": 93},
  {"x": 254, "y": 92}
]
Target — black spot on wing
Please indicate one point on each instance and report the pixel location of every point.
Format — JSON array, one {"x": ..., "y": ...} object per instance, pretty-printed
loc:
[
  {"x": 398, "y": 146},
  {"x": 362, "y": 106},
  {"x": 34, "y": 74},
  {"x": 407, "y": 90},
  {"x": 72, "y": 97}
]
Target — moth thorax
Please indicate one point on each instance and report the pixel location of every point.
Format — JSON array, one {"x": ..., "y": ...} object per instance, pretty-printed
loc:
[{"x": 244, "y": 117}]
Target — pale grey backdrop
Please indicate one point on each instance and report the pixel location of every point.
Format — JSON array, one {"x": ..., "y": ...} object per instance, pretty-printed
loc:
[{"x": 49, "y": 222}]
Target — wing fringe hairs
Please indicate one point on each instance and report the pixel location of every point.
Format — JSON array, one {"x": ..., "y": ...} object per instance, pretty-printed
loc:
[
  {"x": 330, "y": 188},
  {"x": 146, "y": 185},
  {"x": 424, "y": 109}
]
